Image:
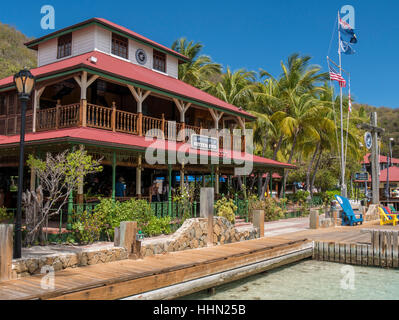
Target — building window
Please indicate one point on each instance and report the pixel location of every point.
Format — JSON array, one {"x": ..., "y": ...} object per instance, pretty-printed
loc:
[
  {"x": 159, "y": 61},
  {"x": 64, "y": 46},
  {"x": 120, "y": 46},
  {"x": 3, "y": 105}
]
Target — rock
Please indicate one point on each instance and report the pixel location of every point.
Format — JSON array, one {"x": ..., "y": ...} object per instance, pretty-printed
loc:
[{"x": 32, "y": 265}]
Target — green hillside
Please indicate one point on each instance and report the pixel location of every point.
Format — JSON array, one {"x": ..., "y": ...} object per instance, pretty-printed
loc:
[
  {"x": 388, "y": 118},
  {"x": 13, "y": 54}
]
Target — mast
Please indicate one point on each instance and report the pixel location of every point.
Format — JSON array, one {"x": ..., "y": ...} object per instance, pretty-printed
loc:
[{"x": 343, "y": 186}]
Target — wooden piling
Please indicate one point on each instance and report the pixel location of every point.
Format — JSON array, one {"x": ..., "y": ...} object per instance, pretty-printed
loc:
[
  {"x": 6, "y": 245},
  {"x": 389, "y": 249},
  {"x": 395, "y": 257},
  {"x": 383, "y": 251}
]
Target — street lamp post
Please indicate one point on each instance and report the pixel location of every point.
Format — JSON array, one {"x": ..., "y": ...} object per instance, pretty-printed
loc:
[{"x": 24, "y": 82}]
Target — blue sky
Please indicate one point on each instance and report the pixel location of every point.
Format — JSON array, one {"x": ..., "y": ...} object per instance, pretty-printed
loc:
[{"x": 249, "y": 34}]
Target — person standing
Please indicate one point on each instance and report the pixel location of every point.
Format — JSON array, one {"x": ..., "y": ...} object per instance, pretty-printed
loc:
[
  {"x": 120, "y": 188},
  {"x": 154, "y": 192}
]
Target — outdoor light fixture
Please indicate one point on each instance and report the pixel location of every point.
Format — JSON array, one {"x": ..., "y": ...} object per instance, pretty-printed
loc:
[{"x": 24, "y": 82}]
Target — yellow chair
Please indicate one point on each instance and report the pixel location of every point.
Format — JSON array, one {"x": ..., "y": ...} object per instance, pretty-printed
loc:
[{"x": 387, "y": 218}]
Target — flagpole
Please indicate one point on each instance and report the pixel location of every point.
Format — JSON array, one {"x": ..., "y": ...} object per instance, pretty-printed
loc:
[{"x": 343, "y": 187}]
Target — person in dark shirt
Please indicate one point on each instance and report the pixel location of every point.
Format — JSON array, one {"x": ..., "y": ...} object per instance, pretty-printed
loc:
[{"x": 120, "y": 188}]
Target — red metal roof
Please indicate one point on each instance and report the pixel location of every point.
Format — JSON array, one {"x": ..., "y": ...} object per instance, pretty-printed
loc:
[
  {"x": 383, "y": 159},
  {"x": 393, "y": 175},
  {"x": 88, "y": 135},
  {"x": 105, "y": 22},
  {"x": 135, "y": 73}
]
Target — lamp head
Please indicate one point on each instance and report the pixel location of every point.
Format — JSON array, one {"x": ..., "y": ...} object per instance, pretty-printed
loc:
[{"x": 24, "y": 82}]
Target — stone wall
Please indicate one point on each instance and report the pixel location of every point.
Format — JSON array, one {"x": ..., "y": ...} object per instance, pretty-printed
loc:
[
  {"x": 61, "y": 257},
  {"x": 194, "y": 234}
]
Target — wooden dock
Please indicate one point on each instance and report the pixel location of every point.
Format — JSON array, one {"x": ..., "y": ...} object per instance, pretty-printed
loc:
[{"x": 125, "y": 278}]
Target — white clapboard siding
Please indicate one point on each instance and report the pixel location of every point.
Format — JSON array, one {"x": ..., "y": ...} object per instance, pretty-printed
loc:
[
  {"x": 133, "y": 46},
  {"x": 97, "y": 38},
  {"x": 47, "y": 52},
  {"x": 103, "y": 39},
  {"x": 172, "y": 65},
  {"x": 83, "y": 40}
]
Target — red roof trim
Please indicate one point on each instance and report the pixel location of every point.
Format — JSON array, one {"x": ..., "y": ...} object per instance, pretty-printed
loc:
[
  {"x": 134, "y": 73},
  {"x": 383, "y": 159},
  {"x": 128, "y": 140}
]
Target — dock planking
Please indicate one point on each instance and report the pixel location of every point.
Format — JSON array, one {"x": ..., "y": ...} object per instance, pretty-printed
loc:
[{"x": 119, "y": 279}]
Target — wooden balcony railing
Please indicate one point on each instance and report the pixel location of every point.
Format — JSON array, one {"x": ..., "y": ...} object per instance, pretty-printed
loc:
[
  {"x": 153, "y": 123},
  {"x": 68, "y": 116},
  {"x": 99, "y": 117},
  {"x": 74, "y": 115},
  {"x": 126, "y": 122}
]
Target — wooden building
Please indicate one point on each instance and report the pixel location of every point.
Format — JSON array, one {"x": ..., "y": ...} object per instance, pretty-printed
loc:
[{"x": 103, "y": 86}]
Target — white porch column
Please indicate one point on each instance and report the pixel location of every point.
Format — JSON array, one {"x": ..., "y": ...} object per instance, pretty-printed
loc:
[
  {"x": 216, "y": 115},
  {"x": 84, "y": 84},
  {"x": 36, "y": 105},
  {"x": 139, "y": 95}
]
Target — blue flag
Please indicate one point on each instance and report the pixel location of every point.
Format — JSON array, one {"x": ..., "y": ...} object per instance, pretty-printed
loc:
[
  {"x": 347, "y": 32},
  {"x": 345, "y": 47}
]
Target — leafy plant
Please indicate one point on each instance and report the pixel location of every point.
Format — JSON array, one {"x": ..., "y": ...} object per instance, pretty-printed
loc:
[
  {"x": 113, "y": 213},
  {"x": 87, "y": 227},
  {"x": 157, "y": 226},
  {"x": 271, "y": 207},
  {"x": 184, "y": 198},
  {"x": 5, "y": 216},
  {"x": 226, "y": 208}
]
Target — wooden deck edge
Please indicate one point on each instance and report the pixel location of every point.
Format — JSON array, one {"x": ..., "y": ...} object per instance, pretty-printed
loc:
[
  {"x": 193, "y": 286},
  {"x": 166, "y": 277}
]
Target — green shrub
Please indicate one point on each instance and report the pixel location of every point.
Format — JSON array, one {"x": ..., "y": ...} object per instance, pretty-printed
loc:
[
  {"x": 6, "y": 216},
  {"x": 113, "y": 213},
  {"x": 87, "y": 227},
  {"x": 272, "y": 208},
  {"x": 329, "y": 196},
  {"x": 157, "y": 226},
  {"x": 226, "y": 208}
]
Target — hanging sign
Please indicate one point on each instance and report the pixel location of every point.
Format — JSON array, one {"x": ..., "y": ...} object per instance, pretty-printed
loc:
[
  {"x": 204, "y": 142},
  {"x": 368, "y": 140},
  {"x": 362, "y": 176}
]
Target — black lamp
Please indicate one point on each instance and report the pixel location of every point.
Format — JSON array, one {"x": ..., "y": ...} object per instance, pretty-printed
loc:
[{"x": 24, "y": 82}]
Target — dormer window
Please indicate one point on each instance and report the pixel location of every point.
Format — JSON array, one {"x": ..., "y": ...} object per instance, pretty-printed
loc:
[
  {"x": 120, "y": 46},
  {"x": 159, "y": 61},
  {"x": 64, "y": 46}
]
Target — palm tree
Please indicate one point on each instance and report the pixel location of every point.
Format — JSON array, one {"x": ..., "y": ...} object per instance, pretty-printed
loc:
[
  {"x": 200, "y": 68},
  {"x": 233, "y": 87}
]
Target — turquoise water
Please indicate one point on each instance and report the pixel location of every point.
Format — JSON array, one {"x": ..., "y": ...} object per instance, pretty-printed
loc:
[{"x": 311, "y": 280}]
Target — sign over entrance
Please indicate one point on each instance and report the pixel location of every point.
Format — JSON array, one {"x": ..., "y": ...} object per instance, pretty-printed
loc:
[
  {"x": 204, "y": 143},
  {"x": 362, "y": 176}
]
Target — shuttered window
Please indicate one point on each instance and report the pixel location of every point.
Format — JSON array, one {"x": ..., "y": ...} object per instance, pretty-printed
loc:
[
  {"x": 159, "y": 61},
  {"x": 64, "y": 48},
  {"x": 120, "y": 46}
]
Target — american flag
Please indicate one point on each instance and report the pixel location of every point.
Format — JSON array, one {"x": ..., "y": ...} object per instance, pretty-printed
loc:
[{"x": 337, "y": 77}]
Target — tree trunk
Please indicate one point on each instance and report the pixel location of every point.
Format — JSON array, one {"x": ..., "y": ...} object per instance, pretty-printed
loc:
[
  {"x": 289, "y": 161},
  {"x": 315, "y": 171},
  {"x": 309, "y": 169},
  {"x": 280, "y": 141}
]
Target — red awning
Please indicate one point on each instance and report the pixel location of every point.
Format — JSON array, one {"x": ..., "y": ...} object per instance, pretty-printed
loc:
[{"x": 116, "y": 139}]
